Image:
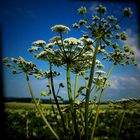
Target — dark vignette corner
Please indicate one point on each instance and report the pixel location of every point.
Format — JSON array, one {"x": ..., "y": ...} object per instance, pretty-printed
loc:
[{"x": 2, "y": 115}]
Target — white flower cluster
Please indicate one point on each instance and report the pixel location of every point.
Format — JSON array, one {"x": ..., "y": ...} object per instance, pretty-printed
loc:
[
  {"x": 87, "y": 41},
  {"x": 101, "y": 9},
  {"x": 39, "y": 42},
  {"x": 72, "y": 41},
  {"x": 127, "y": 12},
  {"x": 82, "y": 10},
  {"x": 60, "y": 28},
  {"x": 33, "y": 48},
  {"x": 41, "y": 55},
  {"x": 100, "y": 72}
]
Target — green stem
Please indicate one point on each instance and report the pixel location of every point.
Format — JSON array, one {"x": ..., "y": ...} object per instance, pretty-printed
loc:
[
  {"x": 100, "y": 100},
  {"x": 58, "y": 91},
  {"x": 73, "y": 111},
  {"x": 76, "y": 86},
  {"x": 89, "y": 88},
  {"x": 55, "y": 98},
  {"x": 51, "y": 96},
  {"x": 120, "y": 126},
  {"x": 38, "y": 108}
]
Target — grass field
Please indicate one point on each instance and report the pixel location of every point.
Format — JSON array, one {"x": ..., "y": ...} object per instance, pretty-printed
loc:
[{"x": 23, "y": 121}]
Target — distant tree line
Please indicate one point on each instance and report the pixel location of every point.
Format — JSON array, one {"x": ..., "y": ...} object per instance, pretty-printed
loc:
[{"x": 29, "y": 100}]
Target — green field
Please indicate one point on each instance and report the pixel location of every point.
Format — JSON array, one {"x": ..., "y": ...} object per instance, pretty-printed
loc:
[{"x": 24, "y": 122}]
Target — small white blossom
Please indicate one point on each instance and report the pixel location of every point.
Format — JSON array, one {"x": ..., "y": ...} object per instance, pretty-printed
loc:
[
  {"x": 127, "y": 12},
  {"x": 88, "y": 54},
  {"x": 5, "y": 60},
  {"x": 21, "y": 59},
  {"x": 103, "y": 51},
  {"x": 112, "y": 18},
  {"x": 95, "y": 18},
  {"x": 101, "y": 9},
  {"x": 14, "y": 60},
  {"x": 82, "y": 22},
  {"x": 82, "y": 10},
  {"x": 89, "y": 40},
  {"x": 75, "y": 25},
  {"x": 77, "y": 102}
]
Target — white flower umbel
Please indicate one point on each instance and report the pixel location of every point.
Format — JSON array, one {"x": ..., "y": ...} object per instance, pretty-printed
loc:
[
  {"x": 39, "y": 42},
  {"x": 127, "y": 12},
  {"x": 100, "y": 66},
  {"x": 5, "y": 60},
  {"x": 97, "y": 61},
  {"x": 79, "y": 47},
  {"x": 33, "y": 48},
  {"x": 87, "y": 41},
  {"x": 101, "y": 9},
  {"x": 50, "y": 45},
  {"x": 100, "y": 72},
  {"x": 75, "y": 25},
  {"x": 55, "y": 39},
  {"x": 72, "y": 41},
  {"x": 60, "y": 28},
  {"x": 41, "y": 55},
  {"x": 50, "y": 51},
  {"x": 87, "y": 54},
  {"x": 82, "y": 10}
]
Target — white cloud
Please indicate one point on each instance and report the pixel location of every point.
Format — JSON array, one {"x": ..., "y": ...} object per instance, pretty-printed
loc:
[
  {"x": 124, "y": 82},
  {"x": 133, "y": 42}
]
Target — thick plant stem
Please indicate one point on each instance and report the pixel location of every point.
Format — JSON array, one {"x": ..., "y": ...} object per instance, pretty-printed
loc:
[
  {"x": 100, "y": 100},
  {"x": 76, "y": 86},
  {"x": 73, "y": 111},
  {"x": 89, "y": 88},
  {"x": 120, "y": 126},
  {"x": 55, "y": 98},
  {"x": 38, "y": 108}
]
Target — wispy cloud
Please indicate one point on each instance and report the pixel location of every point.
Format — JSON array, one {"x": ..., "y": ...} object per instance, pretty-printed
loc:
[
  {"x": 25, "y": 12},
  {"x": 93, "y": 6}
]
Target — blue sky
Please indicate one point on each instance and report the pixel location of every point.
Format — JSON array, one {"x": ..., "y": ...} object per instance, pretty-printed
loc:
[{"x": 25, "y": 21}]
